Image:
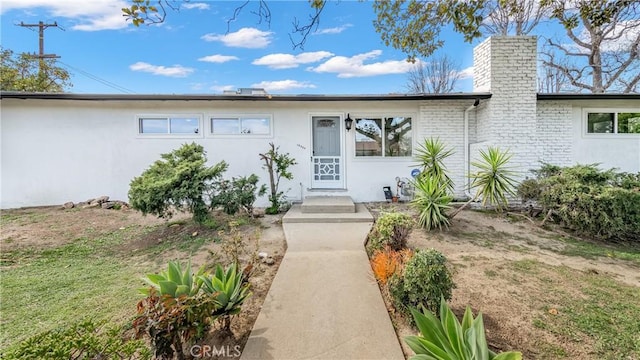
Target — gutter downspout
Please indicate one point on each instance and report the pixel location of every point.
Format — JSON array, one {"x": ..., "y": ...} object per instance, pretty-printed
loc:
[{"x": 467, "y": 151}]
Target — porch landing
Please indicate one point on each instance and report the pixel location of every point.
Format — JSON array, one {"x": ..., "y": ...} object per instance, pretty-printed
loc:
[{"x": 327, "y": 209}]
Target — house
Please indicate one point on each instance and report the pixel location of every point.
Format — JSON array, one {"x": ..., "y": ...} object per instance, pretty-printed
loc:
[{"x": 70, "y": 147}]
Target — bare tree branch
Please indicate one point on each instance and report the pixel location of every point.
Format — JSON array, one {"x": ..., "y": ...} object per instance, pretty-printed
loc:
[
  {"x": 311, "y": 25},
  {"x": 437, "y": 76}
]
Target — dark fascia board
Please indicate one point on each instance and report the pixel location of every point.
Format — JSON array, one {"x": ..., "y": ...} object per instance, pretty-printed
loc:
[
  {"x": 170, "y": 97},
  {"x": 608, "y": 96}
]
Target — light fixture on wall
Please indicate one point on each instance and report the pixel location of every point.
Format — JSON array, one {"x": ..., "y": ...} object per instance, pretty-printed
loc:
[{"x": 348, "y": 122}]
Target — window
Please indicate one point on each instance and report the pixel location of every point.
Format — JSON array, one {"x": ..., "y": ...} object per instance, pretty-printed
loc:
[
  {"x": 613, "y": 122},
  {"x": 383, "y": 136},
  {"x": 238, "y": 125},
  {"x": 158, "y": 125}
]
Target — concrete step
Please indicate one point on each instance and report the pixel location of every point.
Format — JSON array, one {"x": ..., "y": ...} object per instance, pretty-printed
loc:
[
  {"x": 295, "y": 215},
  {"x": 327, "y": 205}
]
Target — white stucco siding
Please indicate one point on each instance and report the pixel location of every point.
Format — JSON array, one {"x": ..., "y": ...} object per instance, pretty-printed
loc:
[
  {"x": 55, "y": 151},
  {"x": 621, "y": 151}
]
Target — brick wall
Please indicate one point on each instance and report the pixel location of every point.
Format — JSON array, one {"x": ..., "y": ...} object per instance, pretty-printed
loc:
[
  {"x": 445, "y": 120},
  {"x": 554, "y": 132},
  {"x": 506, "y": 66}
]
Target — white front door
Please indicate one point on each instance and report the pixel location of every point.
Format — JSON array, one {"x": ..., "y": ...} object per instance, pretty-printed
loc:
[{"x": 327, "y": 163}]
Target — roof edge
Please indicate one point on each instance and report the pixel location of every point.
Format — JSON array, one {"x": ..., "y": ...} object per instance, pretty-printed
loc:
[
  {"x": 267, "y": 97},
  {"x": 605, "y": 96}
]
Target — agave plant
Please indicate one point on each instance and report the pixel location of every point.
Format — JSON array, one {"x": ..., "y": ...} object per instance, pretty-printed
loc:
[
  {"x": 448, "y": 339},
  {"x": 431, "y": 201},
  {"x": 228, "y": 290},
  {"x": 431, "y": 156},
  {"x": 176, "y": 281}
]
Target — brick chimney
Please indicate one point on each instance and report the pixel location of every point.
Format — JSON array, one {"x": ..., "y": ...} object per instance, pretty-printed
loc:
[{"x": 505, "y": 66}]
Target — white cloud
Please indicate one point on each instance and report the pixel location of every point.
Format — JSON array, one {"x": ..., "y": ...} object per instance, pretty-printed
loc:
[
  {"x": 282, "y": 85},
  {"x": 333, "y": 30},
  {"x": 347, "y": 67},
  {"x": 170, "y": 71},
  {"x": 288, "y": 61},
  {"x": 199, "y": 6},
  {"x": 222, "y": 88},
  {"x": 91, "y": 15},
  {"x": 250, "y": 38},
  {"x": 218, "y": 58},
  {"x": 466, "y": 73}
]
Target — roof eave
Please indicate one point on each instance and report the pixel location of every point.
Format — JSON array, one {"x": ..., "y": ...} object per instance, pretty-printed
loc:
[{"x": 172, "y": 97}]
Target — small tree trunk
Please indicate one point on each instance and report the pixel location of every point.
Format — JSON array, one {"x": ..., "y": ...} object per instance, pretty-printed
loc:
[{"x": 464, "y": 206}]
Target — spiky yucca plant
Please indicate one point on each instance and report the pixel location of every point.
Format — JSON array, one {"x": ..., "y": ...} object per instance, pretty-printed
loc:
[
  {"x": 431, "y": 200},
  {"x": 494, "y": 180},
  {"x": 431, "y": 155}
]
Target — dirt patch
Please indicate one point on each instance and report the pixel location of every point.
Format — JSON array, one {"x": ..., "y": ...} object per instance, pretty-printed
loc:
[
  {"x": 44, "y": 227},
  {"x": 516, "y": 274}
]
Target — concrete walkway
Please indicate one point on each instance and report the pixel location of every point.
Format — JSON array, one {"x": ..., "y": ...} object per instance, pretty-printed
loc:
[{"x": 324, "y": 302}]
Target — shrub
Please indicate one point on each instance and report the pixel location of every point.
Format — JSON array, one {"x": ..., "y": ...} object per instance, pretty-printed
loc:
[
  {"x": 424, "y": 281},
  {"x": 277, "y": 166},
  {"x": 385, "y": 263},
  {"x": 391, "y": 229},
  {"x": 85, "y": 340},
  {"x": 529, "y": 190},
  {"x": 178, "y": 181},
  {"x": 603, "y": 204},
  {"x": 238, "y": 193},
  {"x": 431, "y": 201},
  {"x": 172, "y": 323},
  {"x": 448, "y": 339}
]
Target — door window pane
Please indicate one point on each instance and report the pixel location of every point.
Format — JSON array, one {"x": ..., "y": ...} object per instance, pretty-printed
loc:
[
  {"x": 368, "y": 137},
  {"x": 600, "y": 123},
  {"x": 629, "y": 123}
]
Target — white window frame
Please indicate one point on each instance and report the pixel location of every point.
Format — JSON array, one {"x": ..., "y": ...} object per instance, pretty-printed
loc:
[
  {"x": 140, "y": 134},
  {"x": 615, "y": 111},
  {"x": 383, "y": 115},
  {"x": 240, "y": 117}
]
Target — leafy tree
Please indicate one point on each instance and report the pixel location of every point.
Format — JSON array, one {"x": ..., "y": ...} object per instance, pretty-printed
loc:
[
  {"x": 177, "y": 182},
  {"x": 23, "y": 72}
]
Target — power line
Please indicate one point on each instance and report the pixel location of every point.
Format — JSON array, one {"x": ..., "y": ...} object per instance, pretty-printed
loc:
[{"x": 98, "y": 79}]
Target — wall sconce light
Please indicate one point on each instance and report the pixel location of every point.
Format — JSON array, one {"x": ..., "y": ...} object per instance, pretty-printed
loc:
[{"x": 348, "y": 122}]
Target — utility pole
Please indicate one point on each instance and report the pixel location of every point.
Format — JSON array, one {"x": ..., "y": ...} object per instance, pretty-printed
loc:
[{"x": 41, "y": 28}]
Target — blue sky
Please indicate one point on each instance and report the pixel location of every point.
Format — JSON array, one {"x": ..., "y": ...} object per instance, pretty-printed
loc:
[{"x": 192, "y": 52}]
